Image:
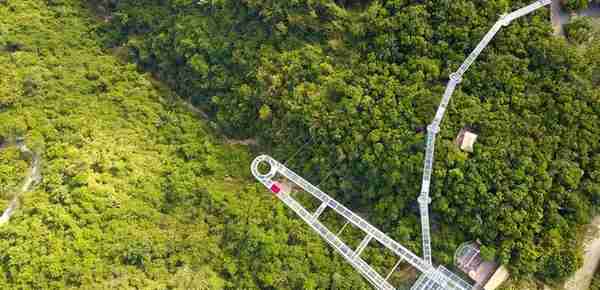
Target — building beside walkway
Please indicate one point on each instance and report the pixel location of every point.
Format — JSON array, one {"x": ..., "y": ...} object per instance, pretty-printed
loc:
[
  {"x": 488, "y": 275},
  {"x": 465, "y": 140}
]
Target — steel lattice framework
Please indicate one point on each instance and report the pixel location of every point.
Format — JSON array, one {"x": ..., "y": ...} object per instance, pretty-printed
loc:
[
  {"x": 434, "y": 127},
  {"x": 431, "y": 278},
  {"x": 351, "y": 255}
]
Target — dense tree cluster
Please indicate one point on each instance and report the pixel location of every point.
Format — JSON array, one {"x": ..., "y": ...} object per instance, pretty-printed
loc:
[
  {"x": 137, "y": 193},
  {"x": 583, "y": 30},
  {"x": 576, "y": 5},
  {"x": 357, "y": 81}
]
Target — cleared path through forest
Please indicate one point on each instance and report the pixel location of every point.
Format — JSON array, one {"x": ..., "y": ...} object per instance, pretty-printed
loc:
[
  {"x": 582, "y": 279},
  {"x": 202, "y": 114},
  {"x": 32, "y": 178}
]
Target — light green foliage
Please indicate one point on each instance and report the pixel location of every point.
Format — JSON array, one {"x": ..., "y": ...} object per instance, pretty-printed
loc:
[
  {"x": 356, "y": 80},
  {"x": 13, "y": 169},
  {"x": 488, "y": 253},
  {"x": 522, "y": 284},
  {"x": 583, "y": 30},
  {"x": 136, "y": 192}
]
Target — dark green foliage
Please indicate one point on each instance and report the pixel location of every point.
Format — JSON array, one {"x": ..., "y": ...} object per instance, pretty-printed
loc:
[
  {"x": 575, "y": 5},
  {"x": 358, "y": 81},
  {"x": 137, "y": 194}
]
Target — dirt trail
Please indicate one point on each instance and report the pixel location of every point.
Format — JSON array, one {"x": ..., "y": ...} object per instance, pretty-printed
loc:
[
  {"x": 32, "y": 179},
  {"x": 203, "y": 115},
  {"x": 196, "y": 111},
  {"x": 591, "y": 258},
  {"x": 556, "y": 17},
  {"x": 245, "y": 142}
]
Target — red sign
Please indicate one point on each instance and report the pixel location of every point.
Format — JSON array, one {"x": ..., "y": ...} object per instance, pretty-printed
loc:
[{"x": 275, "y": 188}]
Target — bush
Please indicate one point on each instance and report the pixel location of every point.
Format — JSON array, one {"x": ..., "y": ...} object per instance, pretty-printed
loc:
[{"x": 582, "y": 30}]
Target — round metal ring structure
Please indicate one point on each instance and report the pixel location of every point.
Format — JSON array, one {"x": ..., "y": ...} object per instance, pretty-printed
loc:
[
  {"x": 272, "y": 170},
  {"x": 457, "y": 78},
  {"x": 424, "y": 199}
]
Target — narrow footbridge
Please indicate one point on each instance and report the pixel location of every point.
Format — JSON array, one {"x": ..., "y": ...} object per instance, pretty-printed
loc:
[{"x": 431, "y": 277}]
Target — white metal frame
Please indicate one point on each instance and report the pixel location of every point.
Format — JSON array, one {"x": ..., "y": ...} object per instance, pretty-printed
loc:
[
  {"x": 351, "y": 255},
  {"x": 440, "y": 278},
  {"x": 433, "y": 128}
]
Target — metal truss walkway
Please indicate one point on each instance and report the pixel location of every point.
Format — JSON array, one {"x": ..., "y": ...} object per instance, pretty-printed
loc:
[
  {"x": 434, "y": 276},
  {"x": 431, "y": 277},
  {"x": 433, "y": 128}
]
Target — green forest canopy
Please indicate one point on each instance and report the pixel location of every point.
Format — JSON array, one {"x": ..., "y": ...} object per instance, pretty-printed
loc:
[
  {"x": 13, "y": 168},
  {"x": 576, "y": 5},
  {"x": 358, "y": 80},
  {"x": 138, "y": 193}
]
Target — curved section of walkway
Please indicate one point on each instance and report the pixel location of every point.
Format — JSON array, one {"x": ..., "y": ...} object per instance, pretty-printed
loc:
[{"x": 433, "y": 129}]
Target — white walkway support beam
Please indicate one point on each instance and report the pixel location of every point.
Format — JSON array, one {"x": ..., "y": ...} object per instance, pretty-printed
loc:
[
  {"x": 278, "y": 170},
  {"x": 431, "y": 278},
  {"x": 393, "y": 269},
  {"x": 363, "y": 244}
]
